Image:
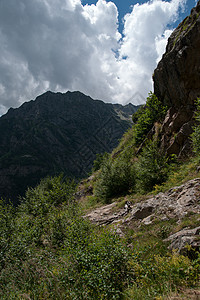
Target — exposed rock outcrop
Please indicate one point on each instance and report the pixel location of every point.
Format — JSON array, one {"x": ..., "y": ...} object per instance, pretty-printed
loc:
[
  {"x": 177, "y": 83},
  {"x": 177, "y": 76},
  {"x": 184, "y": 238},
  {"x": 175, "y": 203}
]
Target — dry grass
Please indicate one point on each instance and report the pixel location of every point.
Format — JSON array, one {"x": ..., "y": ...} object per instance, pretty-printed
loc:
[{"x": 184, "y": 294}]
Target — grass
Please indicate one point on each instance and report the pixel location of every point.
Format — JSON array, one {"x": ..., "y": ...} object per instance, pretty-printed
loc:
[
  {"x": 189, "y": 221},
  {"x": 181, "y": 173},
  {"x": 48, "y": 251},
  {"x": 67, "y": 258}
]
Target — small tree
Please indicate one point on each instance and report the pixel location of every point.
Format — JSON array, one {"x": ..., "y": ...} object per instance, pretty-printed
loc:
[
  {"x": 152, "y": 167},
  {"x": 116, "y": 177},
  {"x": 98, "y": 162},
  {"x": 196, "y": 133},
  {"x": 152, "y": 112}
]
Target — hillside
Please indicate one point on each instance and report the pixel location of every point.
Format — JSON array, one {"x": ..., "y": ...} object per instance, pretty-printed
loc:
[
  {"x": 56, "y": 133},
  {"x": 131, "y": 230},
  {"x": 177, "y": 83}
]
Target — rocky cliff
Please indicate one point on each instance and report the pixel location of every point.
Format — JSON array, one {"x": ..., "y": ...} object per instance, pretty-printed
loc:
[
  {"x": 56, "y": 133},
  {"x": 175, "y": 205},
  {"x": 177, "y": 83}
]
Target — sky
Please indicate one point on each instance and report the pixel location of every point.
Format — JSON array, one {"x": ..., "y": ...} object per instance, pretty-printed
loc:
[{"x": 107, "y": 50}]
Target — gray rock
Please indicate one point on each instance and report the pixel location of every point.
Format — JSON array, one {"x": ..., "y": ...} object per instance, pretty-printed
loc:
[
  {"x": 175, "y": 203},
  {"x": 184, "y": 238},
  {"x": 142, "y": 211},
  {"x": 177, "y": 76},
  {"x": 177, "y": 84},
  {"x": 148, "y": 220}
]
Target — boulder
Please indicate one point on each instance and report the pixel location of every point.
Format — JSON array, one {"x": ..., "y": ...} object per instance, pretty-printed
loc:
[{"x": 184, "y": 240}]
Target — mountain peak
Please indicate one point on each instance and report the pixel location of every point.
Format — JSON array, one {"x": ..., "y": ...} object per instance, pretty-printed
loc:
[{"x": 57, "y": 132}]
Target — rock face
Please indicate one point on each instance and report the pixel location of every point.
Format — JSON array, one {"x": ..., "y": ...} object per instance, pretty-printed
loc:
[
  {"x": 177, "y": 76},
  {"x": 177, "y": 203},
  {"x": 173, "y": 204},
  {"x": 177, "y": 83},
  {"x": 184, "y": 238},
  {"x": 56, "y": 133}
]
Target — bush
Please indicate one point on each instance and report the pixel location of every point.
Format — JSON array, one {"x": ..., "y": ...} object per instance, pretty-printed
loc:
[
  {"x": 116, "y": 177},
  {"x": 52, "y": 191},
  {"x": 152, "y": 167},
  {"x": 159, "y": 275},
  {"x": 49, "y": 251},
  {"x": 98, "y": 162},
  {"x": 196, "y": 134},
  {"x": 137, "y": 114},
  {"x": 7, "y": 225},
  {"x": 152, "y": 112},
  {"x": 99, "y": 265}
]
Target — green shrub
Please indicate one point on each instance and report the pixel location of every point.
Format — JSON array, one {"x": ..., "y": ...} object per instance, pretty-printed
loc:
[
  {"x": 52, "y": 191},
  {"x": 100, "y": 158},
  {"x": 137, "y": 114},
  {"x": 152, "y": 167},
  {"x": 116, "y": 177},
  {"x": 158, "y": 275},
  {"x": 7, "y": 225},
  {"x": 152, "y": 112},
  {"x": 49, "y": 251},
  {"x": 99, "y": 265},
  {"x": 196, "y": 133}
]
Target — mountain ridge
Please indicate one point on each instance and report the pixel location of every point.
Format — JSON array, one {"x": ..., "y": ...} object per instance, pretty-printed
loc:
[{"x": 56, "y": 133}]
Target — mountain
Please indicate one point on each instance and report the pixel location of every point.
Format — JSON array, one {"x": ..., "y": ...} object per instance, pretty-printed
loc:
[
  {"x": 151, "y": 209},
  {"x": 56, "y": 133},
  {"x": 177, "y": 83}
]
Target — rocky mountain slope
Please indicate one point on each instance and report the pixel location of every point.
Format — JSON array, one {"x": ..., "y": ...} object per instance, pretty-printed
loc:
[
  {"x": 177, "y": 83},
  {"x": 175, "y": 204},
  {"x": 56, "y": 133},
  {"x": 48, "y": 240}
]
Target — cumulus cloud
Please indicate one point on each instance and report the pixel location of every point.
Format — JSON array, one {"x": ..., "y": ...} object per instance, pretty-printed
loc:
[{"x": 62, "y": 45}]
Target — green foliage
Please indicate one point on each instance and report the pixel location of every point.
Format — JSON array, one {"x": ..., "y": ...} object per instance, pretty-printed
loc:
[
  {"x": 158, "y": 275},
  {"x": 116, "y": 177},
  {"x": 137, "y": 114},
  {"x": 51, "y": 191},
  {"x": 100, "y": 158},
  {"x": 181, "y": 172},
  {"x": 7, "y": 224},
  {"x": 49, "y": 251},
  {"x": 152, "y": 111},
  {"x": 152, "y": 167},
  {"x": 99, "y": 265},
  {"x": 196, "y": 133}
]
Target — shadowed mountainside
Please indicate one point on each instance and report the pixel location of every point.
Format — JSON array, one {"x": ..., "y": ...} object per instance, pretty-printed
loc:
[{"x": 56, "y": 133}]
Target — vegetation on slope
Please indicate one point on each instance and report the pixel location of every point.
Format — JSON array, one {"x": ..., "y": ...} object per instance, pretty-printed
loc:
[
  {"x": 49, "y": 251},
  {"x": 123, "y": 171}
]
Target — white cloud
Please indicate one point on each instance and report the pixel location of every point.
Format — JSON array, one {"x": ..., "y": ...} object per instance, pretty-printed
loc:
[
  {"x": 145, "y": 38},
  {"x": 160, "y": 43},
  {"x": 61, "y": 44}
]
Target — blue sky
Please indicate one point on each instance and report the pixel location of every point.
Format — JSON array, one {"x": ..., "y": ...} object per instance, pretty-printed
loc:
[
  {"x": 125, "y": 6},
  {"x": 62, "y": 45}
]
